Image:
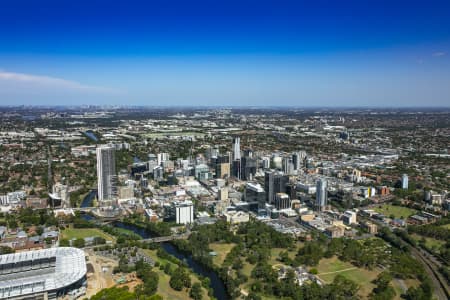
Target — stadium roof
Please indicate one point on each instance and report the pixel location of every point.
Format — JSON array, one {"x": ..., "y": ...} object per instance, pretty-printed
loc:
[{"x": 38, "y": 271}]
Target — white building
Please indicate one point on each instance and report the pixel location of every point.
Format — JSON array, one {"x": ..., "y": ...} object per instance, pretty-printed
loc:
[
  {"x": 106, "y": 172},
  {"x": 162, "y": 157},
  {"x": 184, "y": 212},
  {"x": 236, "y": 148},
  {"x": 404, "y": 181}
]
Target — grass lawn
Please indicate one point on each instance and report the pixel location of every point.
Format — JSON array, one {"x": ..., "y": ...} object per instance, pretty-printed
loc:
[
  {"x": 247, "y": 269},
  {"x": 330, "y": 267},
  {"x": 399, "y": 290},
  {"x": 397, "y": 211},
  {"x": 77, "y": 233},
  {"x": 429, "y": 242},
  {"x": 446, "y": 226},
  {"x": 222, "y": 250},
  {"x": 275, "y": 253}
]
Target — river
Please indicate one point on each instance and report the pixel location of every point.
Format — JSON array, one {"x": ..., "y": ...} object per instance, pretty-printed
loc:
[{"x": 219, "y": 289}]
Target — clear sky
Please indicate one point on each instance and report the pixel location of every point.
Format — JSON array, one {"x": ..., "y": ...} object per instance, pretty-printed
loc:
[{"x": 225, "y": 53}]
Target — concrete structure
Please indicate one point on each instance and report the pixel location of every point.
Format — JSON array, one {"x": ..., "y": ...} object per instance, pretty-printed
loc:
[
  {"x": 126, "y": 192},
  {"x": 335, "y": 231},
  {"x": 282, "y": 201},
  {"x": 236, "y": 217},
  {"x": 41, "y": 274},
  {"x": 106, "y": 172},
  {"x": 371, "y": 227},
  {"x": 60, "y": 196},
  {"x": 184, "y": 212}
]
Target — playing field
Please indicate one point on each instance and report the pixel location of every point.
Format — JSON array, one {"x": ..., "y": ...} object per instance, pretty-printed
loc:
[
  {"x": 399, "y": 212},
  {"x": 221, "y": 250},
  {"x": 329, "y": 268},
  {"x": 429, "y": 242},
  {"x": 81, "y": 233}
]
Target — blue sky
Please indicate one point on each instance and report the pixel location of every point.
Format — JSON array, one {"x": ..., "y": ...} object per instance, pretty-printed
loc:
[{"x": 225, "y": 53}]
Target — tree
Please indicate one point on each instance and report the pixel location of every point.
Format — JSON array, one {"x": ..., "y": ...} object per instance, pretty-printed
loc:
[
  {"x": 79, "y": 243},
  {"x": 64, "y": 243},
  {"x": 196, "y": 291},
  {"x": 114, "y": 293},
  {"x": 179, "y": 279}
]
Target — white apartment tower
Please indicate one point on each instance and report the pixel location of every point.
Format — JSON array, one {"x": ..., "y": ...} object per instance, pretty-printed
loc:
[
  {"x": 184, "y": 212},
  {"x": 236, "y": 148},
  {"x": 106, "y": 172}
]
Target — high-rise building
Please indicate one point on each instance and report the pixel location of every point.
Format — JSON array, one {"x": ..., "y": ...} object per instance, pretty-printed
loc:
[
  {"x": 162, "y": 157},
  {"x": 288, "y": 165},
  {"x": 321, "y": 194},
  {"x": 282, "y": 201},
  {"x": 184, "y": 212},
  {"x": 106, "y": 172},
  {"x": 236, "y": 148},
  {"x": 236, "y": 169},
  {"x": 274, "y": 182},
  {"x": 298, "y": 159},
  {"x": 248, "y": 168},
  {"x": 405, "y": 181},
  {"x": 223, "y": 170},
  {"x": 255, "y": 195}
]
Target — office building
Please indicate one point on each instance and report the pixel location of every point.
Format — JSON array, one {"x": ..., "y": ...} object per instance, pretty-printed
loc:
[
  {"x": 106, "y": 172},
  {"x": 288, "y": 165},
  {"x": 236, "y": 169},
  {"x": 184, "y": 212},
  {"x": 255, "y": 195},
  {"x": 274, "y": 182},
  {"x": 248, "y": 168},
  {"x": 282, "y": 201},
  {"x": 321, "y": 194}
]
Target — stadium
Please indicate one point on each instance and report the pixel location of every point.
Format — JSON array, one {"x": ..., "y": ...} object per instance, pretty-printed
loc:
[{"x": 41, "y": 274}]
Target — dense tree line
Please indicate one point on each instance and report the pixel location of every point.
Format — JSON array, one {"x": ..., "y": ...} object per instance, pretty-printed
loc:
[
  {"x": 431, "y": 230},
  {"x": 123, "y": 293}
]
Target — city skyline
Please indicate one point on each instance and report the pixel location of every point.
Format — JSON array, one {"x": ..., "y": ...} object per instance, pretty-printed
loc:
[{"x": 294, "y": 54}]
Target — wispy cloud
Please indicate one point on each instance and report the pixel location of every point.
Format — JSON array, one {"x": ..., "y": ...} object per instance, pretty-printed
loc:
[
  {"x": 51, "y": 82},
  {"x": 439, "y": 53}
]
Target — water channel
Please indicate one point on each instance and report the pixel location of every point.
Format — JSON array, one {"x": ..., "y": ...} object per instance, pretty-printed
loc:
[{"x": 217, "y": 284}]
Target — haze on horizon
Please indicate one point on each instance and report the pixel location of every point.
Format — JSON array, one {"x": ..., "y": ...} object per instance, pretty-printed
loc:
[{"x": 227, "y": 53}]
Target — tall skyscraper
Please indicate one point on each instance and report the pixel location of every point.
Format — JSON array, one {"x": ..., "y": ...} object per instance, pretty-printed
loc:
[
  {"x": 321, "y": 194},
  {"x": 274, "y": 182},
  {"x": 236, "y": 148},
  {"x": 405, "y": 181},
  {"x": 288, "y": 165},
  {"x": 106, "y": 172}
]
